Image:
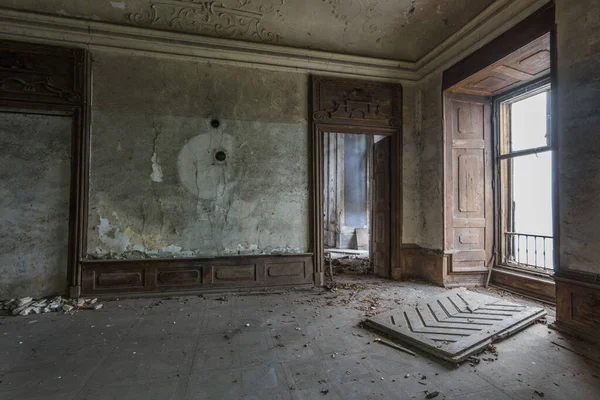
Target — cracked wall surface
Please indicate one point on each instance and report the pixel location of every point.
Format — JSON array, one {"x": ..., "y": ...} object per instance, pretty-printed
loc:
[
  {"x": 35, "y": 153},
  {"x": 578, "y": 48},
  {"x": 156, "y": 186},
  {"x": 429, "y": 144}
]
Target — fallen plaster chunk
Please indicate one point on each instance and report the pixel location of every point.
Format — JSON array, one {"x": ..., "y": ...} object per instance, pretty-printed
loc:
[
  {"x": 25, "y": 300},
  {"x": 28, "y": 305}
]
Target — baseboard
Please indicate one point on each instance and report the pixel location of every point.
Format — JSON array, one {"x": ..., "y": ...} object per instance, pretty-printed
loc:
[{"x": 194, "y": 274}]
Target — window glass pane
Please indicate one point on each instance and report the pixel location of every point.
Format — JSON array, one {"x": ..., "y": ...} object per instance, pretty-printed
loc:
[
  {"x": 529, "y": 123},
  {"x": 532, "y": 193},
  {"x": 530, "y": 208}
]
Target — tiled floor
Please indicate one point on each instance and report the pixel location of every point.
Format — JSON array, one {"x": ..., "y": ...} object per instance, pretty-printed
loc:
[{"x": 303, "y": 344}]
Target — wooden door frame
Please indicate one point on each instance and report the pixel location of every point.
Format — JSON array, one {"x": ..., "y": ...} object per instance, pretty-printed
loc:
[
  {"x": 51, "y": 80},
  {"x": 381, "y": 115}
]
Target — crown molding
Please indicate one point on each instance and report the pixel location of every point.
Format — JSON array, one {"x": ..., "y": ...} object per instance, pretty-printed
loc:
[
  {"x": 66, "y": 31},
  {"x": 59, "y": 30}
]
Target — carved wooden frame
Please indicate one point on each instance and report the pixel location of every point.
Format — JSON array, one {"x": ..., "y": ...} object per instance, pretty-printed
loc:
[
  {"x": 54, "y": 80},
  {"x": 378, "y": 111}
]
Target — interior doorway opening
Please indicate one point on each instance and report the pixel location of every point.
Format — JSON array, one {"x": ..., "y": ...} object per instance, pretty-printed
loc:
[{"x": 356, "y": 202}]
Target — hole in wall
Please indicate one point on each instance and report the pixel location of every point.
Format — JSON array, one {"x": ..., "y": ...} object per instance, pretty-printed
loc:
[
  {"x": 220, "y": 156},
  {"x": 215, "y": 123}
]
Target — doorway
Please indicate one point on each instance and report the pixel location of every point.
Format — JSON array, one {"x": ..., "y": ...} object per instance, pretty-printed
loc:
[
  {"x": 365, "y": 111},
  {"x": 35, "y": 170},
  {"x": 357, "y": 203}
]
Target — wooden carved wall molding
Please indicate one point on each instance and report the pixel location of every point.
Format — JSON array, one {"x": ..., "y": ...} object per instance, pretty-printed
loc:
[
  {"x": 42, "y": 74},
  {"x": 355, "y": 107},
  {"x": 339, "y": 101},
  {"x": 209, "y": 17}
]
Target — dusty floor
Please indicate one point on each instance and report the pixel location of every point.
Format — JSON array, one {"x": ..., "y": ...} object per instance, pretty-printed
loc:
[{"x": 293, "y": 344}]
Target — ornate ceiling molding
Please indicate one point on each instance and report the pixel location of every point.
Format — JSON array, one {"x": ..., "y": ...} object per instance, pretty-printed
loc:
[{"x": 143, "y": 39}]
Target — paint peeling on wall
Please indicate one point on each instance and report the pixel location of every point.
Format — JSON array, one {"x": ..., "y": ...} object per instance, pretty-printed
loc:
[
  {"x": 237, "y": 187},
  {"x": 157, "y": 174},
  {"x": 118, "y": 4}
]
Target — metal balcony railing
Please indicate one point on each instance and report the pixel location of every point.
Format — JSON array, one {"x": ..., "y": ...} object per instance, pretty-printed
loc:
[{"x": 523, "y": 249}]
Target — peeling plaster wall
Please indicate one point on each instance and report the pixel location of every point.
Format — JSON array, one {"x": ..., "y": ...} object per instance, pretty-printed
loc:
[
  {"x": 429, "y": 147},
  {"x": 156, "y": 188},
  {"x": 412, "y": 213},
  {"x": 35, "y": 153},
  {"x": 579, "y": 133}
]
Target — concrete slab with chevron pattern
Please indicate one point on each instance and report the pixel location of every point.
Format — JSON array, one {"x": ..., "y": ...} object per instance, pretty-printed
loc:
[{"x": 457, "y": 324}]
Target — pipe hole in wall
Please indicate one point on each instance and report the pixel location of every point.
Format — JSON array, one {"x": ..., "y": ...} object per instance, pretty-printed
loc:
[
  {"x": 220, "y": 156},
  {"x": 215, "y": 123}
]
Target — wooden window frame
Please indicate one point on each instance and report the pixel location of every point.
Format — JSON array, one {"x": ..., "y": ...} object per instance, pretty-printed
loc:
[{"x": 502, "y": 184}]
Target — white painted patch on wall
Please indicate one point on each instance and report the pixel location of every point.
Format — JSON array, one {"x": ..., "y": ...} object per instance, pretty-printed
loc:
[
  {"x": 157, "y": 174},
  {"x": 171, "y": 249},
  {"x": 112, "y": 237},
  {"x": 118, "y": 4}
]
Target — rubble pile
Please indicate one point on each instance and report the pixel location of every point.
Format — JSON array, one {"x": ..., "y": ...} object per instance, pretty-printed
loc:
[
  {"x": 353, "y": 264},
  {"x": 28, "y": 305}
]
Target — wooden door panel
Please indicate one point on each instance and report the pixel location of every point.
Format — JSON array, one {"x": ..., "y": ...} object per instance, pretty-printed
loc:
[
  {"x": 470, "y": 201},
  {"x": 380, "y": 239}
]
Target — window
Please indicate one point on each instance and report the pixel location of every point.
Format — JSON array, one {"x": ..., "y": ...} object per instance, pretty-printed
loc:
[{"x": 524, "y": 160}]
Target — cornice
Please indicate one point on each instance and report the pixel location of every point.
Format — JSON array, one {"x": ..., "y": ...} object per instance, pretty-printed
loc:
[{"x": 59, "y": 30}]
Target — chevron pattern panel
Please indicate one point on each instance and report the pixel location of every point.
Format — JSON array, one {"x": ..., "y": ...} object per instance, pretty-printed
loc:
[{"x": 456, "y": 325}]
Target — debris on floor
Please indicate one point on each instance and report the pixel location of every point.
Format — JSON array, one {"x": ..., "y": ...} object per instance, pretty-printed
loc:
[
  {"x": 28, "y": 305},
  {"x": 353, "y": 264}
]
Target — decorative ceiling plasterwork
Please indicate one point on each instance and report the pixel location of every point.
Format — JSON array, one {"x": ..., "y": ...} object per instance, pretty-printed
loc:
[
  {"x": 400, "y": 30},
  {"x": 69, "y": 24},
  {"x": 210, "y": 17}
]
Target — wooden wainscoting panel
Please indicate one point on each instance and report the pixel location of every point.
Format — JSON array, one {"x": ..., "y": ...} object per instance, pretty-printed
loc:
[
  {"x": 299, "y": 271},
  {"x": 421, "y": 263},
  {"x": 173, "y": 275},
  {"x": 223, "y": 274},
  {"x": 179, "y": 276},
  {"x": 578, "y": 306},
  {"x": 106, "y": 280}
]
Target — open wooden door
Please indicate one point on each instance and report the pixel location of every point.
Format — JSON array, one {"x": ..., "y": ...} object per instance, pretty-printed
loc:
[
  {"x": 380, "y": 230},
  {"x": 469, "y": 211}
]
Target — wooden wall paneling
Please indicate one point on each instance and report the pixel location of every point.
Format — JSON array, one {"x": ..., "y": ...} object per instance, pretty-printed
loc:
[
  {"x": 380, "y": 238},
  {"x": 525, "y": 65},
  {"x": 540, "y": 286},
  {"x": 173, "y": 275},
  {"x": 525, "y": 32},
  {"x": 50, "y": 79},
  {"x": 468, "y": 176},
  {"x": 360, "y": 107},
  {"x": 578, "y": 305},
  {"x": 425, "y": 264}
]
